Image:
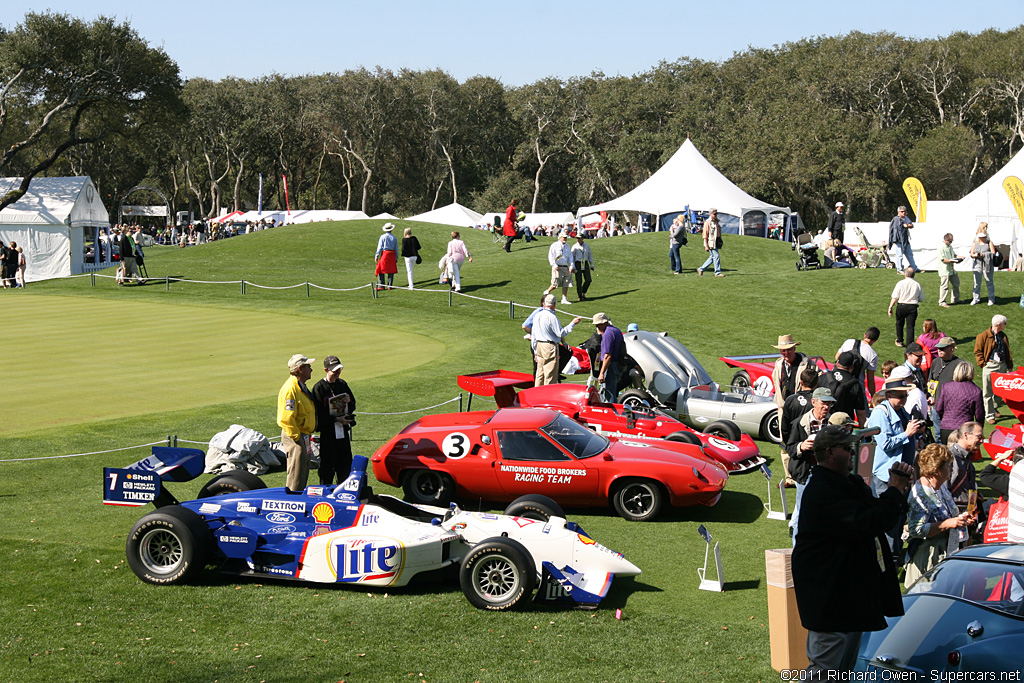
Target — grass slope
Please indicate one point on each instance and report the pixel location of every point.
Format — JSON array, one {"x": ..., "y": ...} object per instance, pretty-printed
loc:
[{"x": 74, "y": 611}]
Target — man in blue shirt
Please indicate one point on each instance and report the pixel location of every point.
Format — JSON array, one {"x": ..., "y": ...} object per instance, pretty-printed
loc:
[
  {"x": 546, "y": 335},
  {"x": 896, "y": 442},
  {"x": 613, "y": 350},
  {"x": 899, "y": 239}
]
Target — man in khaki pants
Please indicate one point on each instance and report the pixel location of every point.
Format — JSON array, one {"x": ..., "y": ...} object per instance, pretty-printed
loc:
[
  {"x": 785, "y": 380},
  {"x": 296, "y": 413}
]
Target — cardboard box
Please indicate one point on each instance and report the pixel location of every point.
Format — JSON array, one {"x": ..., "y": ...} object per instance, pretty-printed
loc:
[{"x": 787, "y": 634}]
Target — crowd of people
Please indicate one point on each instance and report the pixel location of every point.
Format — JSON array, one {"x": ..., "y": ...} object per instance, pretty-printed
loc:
[
  {"x": 12, "y": 265},
  {"x": 923, "y": 503}
]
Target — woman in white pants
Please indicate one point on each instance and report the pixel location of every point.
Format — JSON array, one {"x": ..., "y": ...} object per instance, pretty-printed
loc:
[
  {"x": 457, "y": 255},
  {"x": 410, "y": 252}
]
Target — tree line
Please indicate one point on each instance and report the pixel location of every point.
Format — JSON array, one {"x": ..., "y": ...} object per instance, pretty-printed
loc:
[{"x": 803, "y": 124}]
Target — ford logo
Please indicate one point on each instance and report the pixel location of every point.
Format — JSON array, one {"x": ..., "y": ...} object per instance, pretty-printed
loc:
[
  {"x": 287, "y": 529},
  {"x": 280, "y": 518}
]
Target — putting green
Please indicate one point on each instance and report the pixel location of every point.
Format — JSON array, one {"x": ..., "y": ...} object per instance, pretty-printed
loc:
[{"x": 71, "y": 360}]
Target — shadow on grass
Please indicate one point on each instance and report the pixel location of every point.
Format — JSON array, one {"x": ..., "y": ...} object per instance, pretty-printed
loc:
[
  {"x": 742, "y": 585},
  {"x": 609, "y": 295},
  {"x": 733, "y": 507}
]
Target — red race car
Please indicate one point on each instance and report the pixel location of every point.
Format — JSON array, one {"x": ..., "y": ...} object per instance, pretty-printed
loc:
[
  {"x": 757, "y": 376},
  {"x": 722, "y": 440},
  {"x": 501, "y": 455}
]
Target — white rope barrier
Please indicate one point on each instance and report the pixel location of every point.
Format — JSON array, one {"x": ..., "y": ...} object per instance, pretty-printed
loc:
[
  {"x": 406, "y": 412},
  {"x": 77, "y": 455}
]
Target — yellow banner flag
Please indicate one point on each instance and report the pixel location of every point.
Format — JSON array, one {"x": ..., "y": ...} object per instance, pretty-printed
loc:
[
  {"x": 918, "y": 199},
  {"x": 1015, "y": 190}
]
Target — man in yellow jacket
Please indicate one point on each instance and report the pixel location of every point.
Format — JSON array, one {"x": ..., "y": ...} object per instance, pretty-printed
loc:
[{"x": 296, "y": 413}]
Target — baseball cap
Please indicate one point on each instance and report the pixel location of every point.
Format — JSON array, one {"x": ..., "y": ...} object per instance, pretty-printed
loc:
[
  {"x": 945, "y": 343},
  {"x": 332, "y": 363},
  {"x": 298, "y": 360},
  {"x": 847, "y": 359},
  {"x": 841, "y": 419},
  {"x": 833, "y": 435},
  {"x": 823, "y": 394},
  {"x": 914, "y": 347},
  {"x": 632, "y": 327}
]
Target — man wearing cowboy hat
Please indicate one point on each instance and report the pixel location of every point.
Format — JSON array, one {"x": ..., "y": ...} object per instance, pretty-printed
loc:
[
  {"x": 386, "y": 257},
  {"x": 784, "y": 379},
  {"x": 296, "y": 415},
  {"x": 895, "y": 442},
  {"x": 613, "y": 350},
  {"x": 837, "y": 222}
]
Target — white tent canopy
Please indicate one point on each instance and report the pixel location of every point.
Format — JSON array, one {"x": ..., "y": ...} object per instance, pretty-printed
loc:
[
  {"x": 317, "y": 215},
  {"x": 385, "y": 217},
  {"x": 453, "y": 214},
  {"x": 988, "y": 203},
  {"x": 533, "y": 220},
  {"x": 687, "y": 180},
  {"x": 50, "y": 221}
]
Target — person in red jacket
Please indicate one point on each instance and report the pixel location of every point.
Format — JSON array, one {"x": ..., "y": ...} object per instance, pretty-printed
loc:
[{"x": 509, "y": 229}]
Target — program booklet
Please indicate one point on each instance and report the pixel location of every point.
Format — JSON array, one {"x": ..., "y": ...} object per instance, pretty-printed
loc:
[{"x": 336, "y": 405}]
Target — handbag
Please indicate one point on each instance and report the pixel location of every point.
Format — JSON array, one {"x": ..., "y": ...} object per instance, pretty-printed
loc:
[
  {"x": 718, "y": 242},
  {"x": 419, "y": 259}
]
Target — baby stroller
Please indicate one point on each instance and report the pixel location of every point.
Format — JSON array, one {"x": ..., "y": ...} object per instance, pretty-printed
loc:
[
  {"x": 874, "y": 255},
  {"x": 808, "y": 252}
]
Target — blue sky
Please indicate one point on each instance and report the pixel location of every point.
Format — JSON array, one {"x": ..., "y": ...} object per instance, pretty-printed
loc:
[{"x": 516, "y": 42}]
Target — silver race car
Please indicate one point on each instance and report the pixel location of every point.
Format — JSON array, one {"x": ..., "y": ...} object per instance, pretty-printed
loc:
[{"x": 675, "y": 381}]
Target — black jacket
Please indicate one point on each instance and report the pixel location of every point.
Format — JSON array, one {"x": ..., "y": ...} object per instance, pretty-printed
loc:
[
  {"x": 322, "y": 391},
  {"x": 839, "y": 584}
]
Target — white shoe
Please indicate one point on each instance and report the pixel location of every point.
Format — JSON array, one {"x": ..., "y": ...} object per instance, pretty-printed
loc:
[
  {"x": 566, "y": 302},
  {"x": 991, "y": 303},
  {"x": 975, "y": 302}
]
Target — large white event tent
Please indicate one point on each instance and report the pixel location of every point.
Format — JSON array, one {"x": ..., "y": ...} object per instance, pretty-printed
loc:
[
  {"x": 52, "y": 222},
  {"x": 453, "y": 214},
  {"x": 533, "y": 220},
  {"x": 688, "y": 180},
  {"x": 988, "y": 202},
  {"x": 317, "y": 215}
]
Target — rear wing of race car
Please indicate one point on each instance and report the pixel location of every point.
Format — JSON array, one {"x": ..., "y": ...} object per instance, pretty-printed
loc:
[
  {"x": 142, "y": 482},
  {"x": 499, "y": 384}
]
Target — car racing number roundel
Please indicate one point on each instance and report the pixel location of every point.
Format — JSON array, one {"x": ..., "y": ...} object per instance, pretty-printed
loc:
[
  {"x": 724, "y": 445},
  {"x": 455, "y": 446}
]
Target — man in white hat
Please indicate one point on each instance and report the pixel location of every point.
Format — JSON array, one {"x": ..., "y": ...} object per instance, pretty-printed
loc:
[
  {"x": 386, "y": 257},
  {"x": 296, "y": 415},
  {"x": 785, "y": 376},
  {"x": 560, "y": 260},
  {"x": 546, "y": 335},
  {"x": 837, "y": 223}
]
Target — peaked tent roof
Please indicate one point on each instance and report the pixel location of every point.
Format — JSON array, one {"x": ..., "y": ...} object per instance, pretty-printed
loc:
[
  {"x": 55, "y": 201},
  {"x": 453, "y": 214},
  {"x": 687, "y": 179}
]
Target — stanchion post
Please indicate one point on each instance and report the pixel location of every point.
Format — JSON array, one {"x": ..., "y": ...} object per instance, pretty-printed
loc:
[
  {"x": 167, "y": 284},
  {"x": 511, "y": 310},
  {"x": 373, "y": 290},
  {"x": 450, "y": 297},
  {"x": 307, "y": 289},
  {"x": 92, "y": 279},
  {"x": 243, "y": 287},
  {"x": 169, "y": 440},
  {"x": 460, "y": 401}
]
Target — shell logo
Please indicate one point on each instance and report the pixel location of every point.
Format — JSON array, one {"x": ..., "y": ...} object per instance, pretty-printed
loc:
[
  {"x": 586, "y": 540},
  {"x": 323, "y": 513}
]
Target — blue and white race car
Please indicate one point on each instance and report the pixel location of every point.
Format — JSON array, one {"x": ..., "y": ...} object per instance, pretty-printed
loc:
[{"x": 349, "y": 535}]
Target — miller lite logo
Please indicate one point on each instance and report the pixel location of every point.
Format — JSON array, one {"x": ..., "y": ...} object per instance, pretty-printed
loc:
[
  {"x": 359, "y": 560},
  {"x": 1005, "y": 382}
]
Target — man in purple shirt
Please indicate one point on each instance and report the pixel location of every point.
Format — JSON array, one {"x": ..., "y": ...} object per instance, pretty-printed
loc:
[{"x": 613, "y": 350}]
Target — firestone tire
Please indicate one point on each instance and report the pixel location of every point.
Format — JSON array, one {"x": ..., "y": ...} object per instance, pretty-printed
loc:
[
  {"x": 684, "y": 437},
  {"x": 169, "y": 546},
  {"x": 638, "y": 500},
  {"x": 637, "y": 399},
  {"x": 741, "y": 380},
  {"x": 724, "y": 429},
  {"x": 427, "y": 487},
  {"x": 228, "y": 483},
  {"x": 534, "y": 506},
  {"x": 498, "y": 574},
  {"x": 770, "y": 429}
]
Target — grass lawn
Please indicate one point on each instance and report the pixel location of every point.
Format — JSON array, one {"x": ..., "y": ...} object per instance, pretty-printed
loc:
[{"x": 136, "y": 364}]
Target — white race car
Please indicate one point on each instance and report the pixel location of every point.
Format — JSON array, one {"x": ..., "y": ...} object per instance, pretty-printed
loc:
[{"x": 350, "y": 535}]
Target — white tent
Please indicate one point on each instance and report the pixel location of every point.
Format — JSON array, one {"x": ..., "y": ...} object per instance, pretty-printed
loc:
[
  {"x": 317, "y": 215},
  {"x": 453, "y": 214},
  {"x": 533, "y": 220},
  {"x": 50, "y": 223},
  {"x": 989, "y": 203},
  {"x": 689, "y": 180},
  {"x": 385, "y": 217}
]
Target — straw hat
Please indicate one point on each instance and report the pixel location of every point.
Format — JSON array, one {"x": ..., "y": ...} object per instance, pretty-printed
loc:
[{"x": 786, "y": 341}]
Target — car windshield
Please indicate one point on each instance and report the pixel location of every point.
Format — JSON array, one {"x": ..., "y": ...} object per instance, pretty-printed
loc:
[
  {"x": 575, "y": 438},
  {"x": 995, "y": 585}
]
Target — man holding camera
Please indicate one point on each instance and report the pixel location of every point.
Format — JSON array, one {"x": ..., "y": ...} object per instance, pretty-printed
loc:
[{"x": 335, "y": 417}]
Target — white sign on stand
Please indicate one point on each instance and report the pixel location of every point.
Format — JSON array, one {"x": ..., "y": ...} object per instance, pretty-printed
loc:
[
  {"x": 775, "y": 514},
  {"x": 717, "y": 584}
]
